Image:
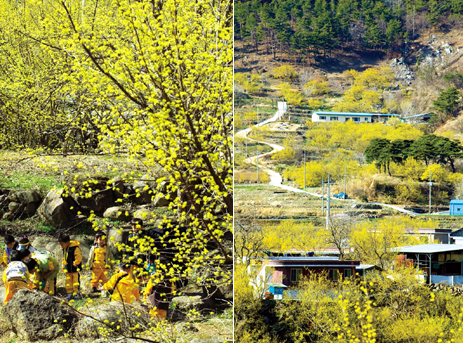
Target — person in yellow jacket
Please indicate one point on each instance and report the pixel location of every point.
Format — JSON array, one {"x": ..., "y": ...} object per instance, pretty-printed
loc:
[
  {"x": 122, "y": 287},
  {"x": 72, "y": 265},
  {"x": 10, "y": 246},
  {"x": 16, "y": 275},
  {"x": 99, "y": 261}
]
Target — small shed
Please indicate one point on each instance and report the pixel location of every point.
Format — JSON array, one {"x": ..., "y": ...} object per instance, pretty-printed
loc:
[
  {"x": 364, "y": 269},
  {"x": 439, "y": 262},
  {"x": 456, "y": 207},
  {"x": 277, "y": 290},
  {"x": 456, "y": 237}
]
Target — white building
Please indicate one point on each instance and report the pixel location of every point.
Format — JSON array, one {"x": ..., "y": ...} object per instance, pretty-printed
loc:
[{"x": 342, "y": 117}]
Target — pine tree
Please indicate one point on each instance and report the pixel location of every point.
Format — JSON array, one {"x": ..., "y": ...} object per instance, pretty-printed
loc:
[
  {"x": 373, "y": 36},
  {"x": 380, "y": 151},
  {"x": 394, "y": 31},
  {"x": 434, "y": 12},
  {"x": 447, "y": 102}
]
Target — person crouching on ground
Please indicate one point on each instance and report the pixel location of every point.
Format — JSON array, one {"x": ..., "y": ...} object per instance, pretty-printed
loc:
[
  {"x": 99, "y": 261},
  {"x": 44, "y": 276},
  {"x": 15, "y": 275},
  {"x": 72, "y": 265},
  {"x": 122, "y": 287}
]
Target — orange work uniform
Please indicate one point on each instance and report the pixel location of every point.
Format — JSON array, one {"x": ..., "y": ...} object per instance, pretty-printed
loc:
[
  {"x": 99, "y": 266},
  {"x": 126, "y": 289}
]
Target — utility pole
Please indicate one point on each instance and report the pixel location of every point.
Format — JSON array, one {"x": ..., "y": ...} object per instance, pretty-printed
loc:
[
  {"x": 430, "y": 187},
  {"x": 303, "y": 151},
  {"x": 323, "y": 197},
  {"x": 257, "y": 163},
  {"x": 328, "y": 204},
  {"x": 345, "y": 178}
]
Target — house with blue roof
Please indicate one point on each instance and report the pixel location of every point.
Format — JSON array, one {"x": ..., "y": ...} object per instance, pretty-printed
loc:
[{"x": 342, "y": 117}]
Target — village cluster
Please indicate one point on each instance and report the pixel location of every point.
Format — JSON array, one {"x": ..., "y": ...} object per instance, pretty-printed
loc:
[{"x": 29, "y": 268}]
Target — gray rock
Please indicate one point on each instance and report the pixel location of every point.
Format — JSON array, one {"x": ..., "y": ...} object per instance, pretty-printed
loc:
[
  {"x": 116, "y": 314},
  {"x": 144, "y": 214},
  {"x": 117, "y": 213},
  {"x": 162, "y": 187},
  {"x": 117, "y": 234},
  {"x": 31, "y": 208},
  {"x": 25, "y": 197},
  {"x": 187, "y": 303},
  {"x": 161, "y": 201},
  {"x": 9, "y": 216},
  {"x": 14, "y": 206},
  {"x": 143, "y": 193},
  {"x": 225, "y": 292},
  {"x": 45, "y": 243},
  {"x": 116, "y": 237},
  {"x": 55, "y": 211},
  {"x": 37, "y": 316},
  {"x": 150, "y": 180},
  {"x": 118, "y": 187},
  {"x": 98, "y": 202}
]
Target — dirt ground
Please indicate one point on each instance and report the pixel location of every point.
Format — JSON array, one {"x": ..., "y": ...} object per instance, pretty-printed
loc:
[{"x": 283, "y": 126}]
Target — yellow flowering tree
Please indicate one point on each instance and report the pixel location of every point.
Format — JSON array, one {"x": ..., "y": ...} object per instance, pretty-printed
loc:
[{"x": 158, "y": 80}]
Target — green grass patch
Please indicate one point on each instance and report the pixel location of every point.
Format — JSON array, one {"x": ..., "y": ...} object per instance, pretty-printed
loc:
[
  {"x": 45, "y": 227},
  {"x": 253, "y": 187},
  {"x": 19, "y": 180}
]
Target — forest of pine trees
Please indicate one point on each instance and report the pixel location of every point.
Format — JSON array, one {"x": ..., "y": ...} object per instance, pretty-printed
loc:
[{"x": 320, "y": 26}]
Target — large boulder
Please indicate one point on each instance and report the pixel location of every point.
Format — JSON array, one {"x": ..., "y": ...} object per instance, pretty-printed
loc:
[
  {"x": 119, "y": 318},
  {"x": 98, "y": 202},
  {"x": 56, "y": 211},
  {"x": 25, "y": 197},
  {"x": 186, "y": 303},
  {"x": 117, "y": 213},
  {"x": 118, "y": 186},
  {"x": 161, "y": 201},
  {"x": 143, "y": 193},
  {"x": 144, "y": 214},
  {"x": 37, "y": 316},
  {"x": 22, "y": 204}
]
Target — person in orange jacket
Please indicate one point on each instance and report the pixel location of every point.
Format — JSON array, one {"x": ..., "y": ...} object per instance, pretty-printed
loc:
[
  {"x": 99, "y": 261},
  {"x": 122, "y": 287},
  {"x": 72, "y": 265}
]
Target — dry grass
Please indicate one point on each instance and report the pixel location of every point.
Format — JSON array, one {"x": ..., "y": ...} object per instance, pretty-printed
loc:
[
  {"x": 21, "y": 171},
  {"x": 251, "y": 177}
]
